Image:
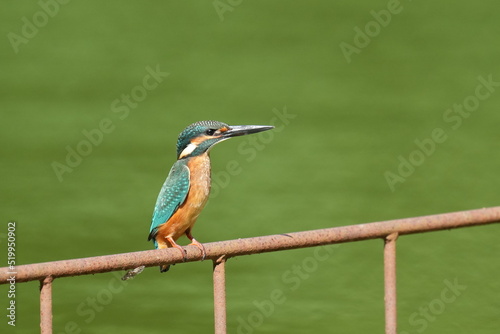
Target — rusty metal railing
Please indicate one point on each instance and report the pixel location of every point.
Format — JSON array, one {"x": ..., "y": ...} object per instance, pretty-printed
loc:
[{"x": 220, "y": 252}]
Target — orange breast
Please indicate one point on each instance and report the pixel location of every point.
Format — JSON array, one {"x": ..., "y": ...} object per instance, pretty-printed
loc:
[{"x": 197, "y": 197}]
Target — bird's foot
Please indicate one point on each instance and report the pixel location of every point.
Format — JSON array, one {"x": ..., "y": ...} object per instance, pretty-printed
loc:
[
  {"x": 183, "y": 251},
  {"x": 200, "y": 246}
]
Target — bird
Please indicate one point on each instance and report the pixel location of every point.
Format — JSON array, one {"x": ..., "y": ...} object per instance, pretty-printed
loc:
[{"x": 187, "y": 187}]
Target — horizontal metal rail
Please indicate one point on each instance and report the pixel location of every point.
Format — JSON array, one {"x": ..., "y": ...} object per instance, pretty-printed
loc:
[
  {"x": 238, "y": 247},
  {"x": 219, "y": 252}
]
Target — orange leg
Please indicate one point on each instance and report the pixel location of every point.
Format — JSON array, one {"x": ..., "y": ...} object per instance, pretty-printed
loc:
[
  {"x": 174, "y": 244},
  {"x": 196, "y": 243}
]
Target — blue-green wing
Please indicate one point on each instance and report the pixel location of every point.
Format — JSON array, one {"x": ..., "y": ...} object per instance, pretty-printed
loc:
[{"x": 172, "y": 195}]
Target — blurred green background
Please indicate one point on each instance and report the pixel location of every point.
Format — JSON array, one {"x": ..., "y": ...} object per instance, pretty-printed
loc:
[{"x": 347, "y": 122}]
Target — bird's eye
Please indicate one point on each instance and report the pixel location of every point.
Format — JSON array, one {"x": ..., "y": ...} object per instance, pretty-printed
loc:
[{"x": 210, "y": 132}]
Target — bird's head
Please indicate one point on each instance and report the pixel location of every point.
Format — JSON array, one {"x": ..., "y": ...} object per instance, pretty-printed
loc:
[{"x": 199, "y": 137}]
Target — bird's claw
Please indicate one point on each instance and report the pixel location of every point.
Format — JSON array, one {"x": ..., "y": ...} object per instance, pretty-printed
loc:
[
  {"x": 184, "y": 253},
  {"x": 200, "y": 247},
  {"x": 174, "y": 244}
]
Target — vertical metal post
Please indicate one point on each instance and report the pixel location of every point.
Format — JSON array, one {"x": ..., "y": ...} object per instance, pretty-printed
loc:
[
  {"x": 46, "y": 305},
  {"x": 220, "y": 295},
  {"x": 390, "y": 283}
]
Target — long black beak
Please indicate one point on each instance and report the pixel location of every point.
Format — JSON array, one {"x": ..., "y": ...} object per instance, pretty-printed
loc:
[{"x": 241, "y": 130}]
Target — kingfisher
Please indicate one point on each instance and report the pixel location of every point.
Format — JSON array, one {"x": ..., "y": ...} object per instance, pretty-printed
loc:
[{"x": 187, "y": 187}]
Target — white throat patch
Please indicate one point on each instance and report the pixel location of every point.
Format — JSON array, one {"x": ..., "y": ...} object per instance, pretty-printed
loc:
[{"x": 188, "y": 150}]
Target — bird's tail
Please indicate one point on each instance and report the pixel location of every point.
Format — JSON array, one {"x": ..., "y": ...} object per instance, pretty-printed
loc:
[
  {"x": 171, "y": 243},
  {"x": 165, "y": 268}
]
